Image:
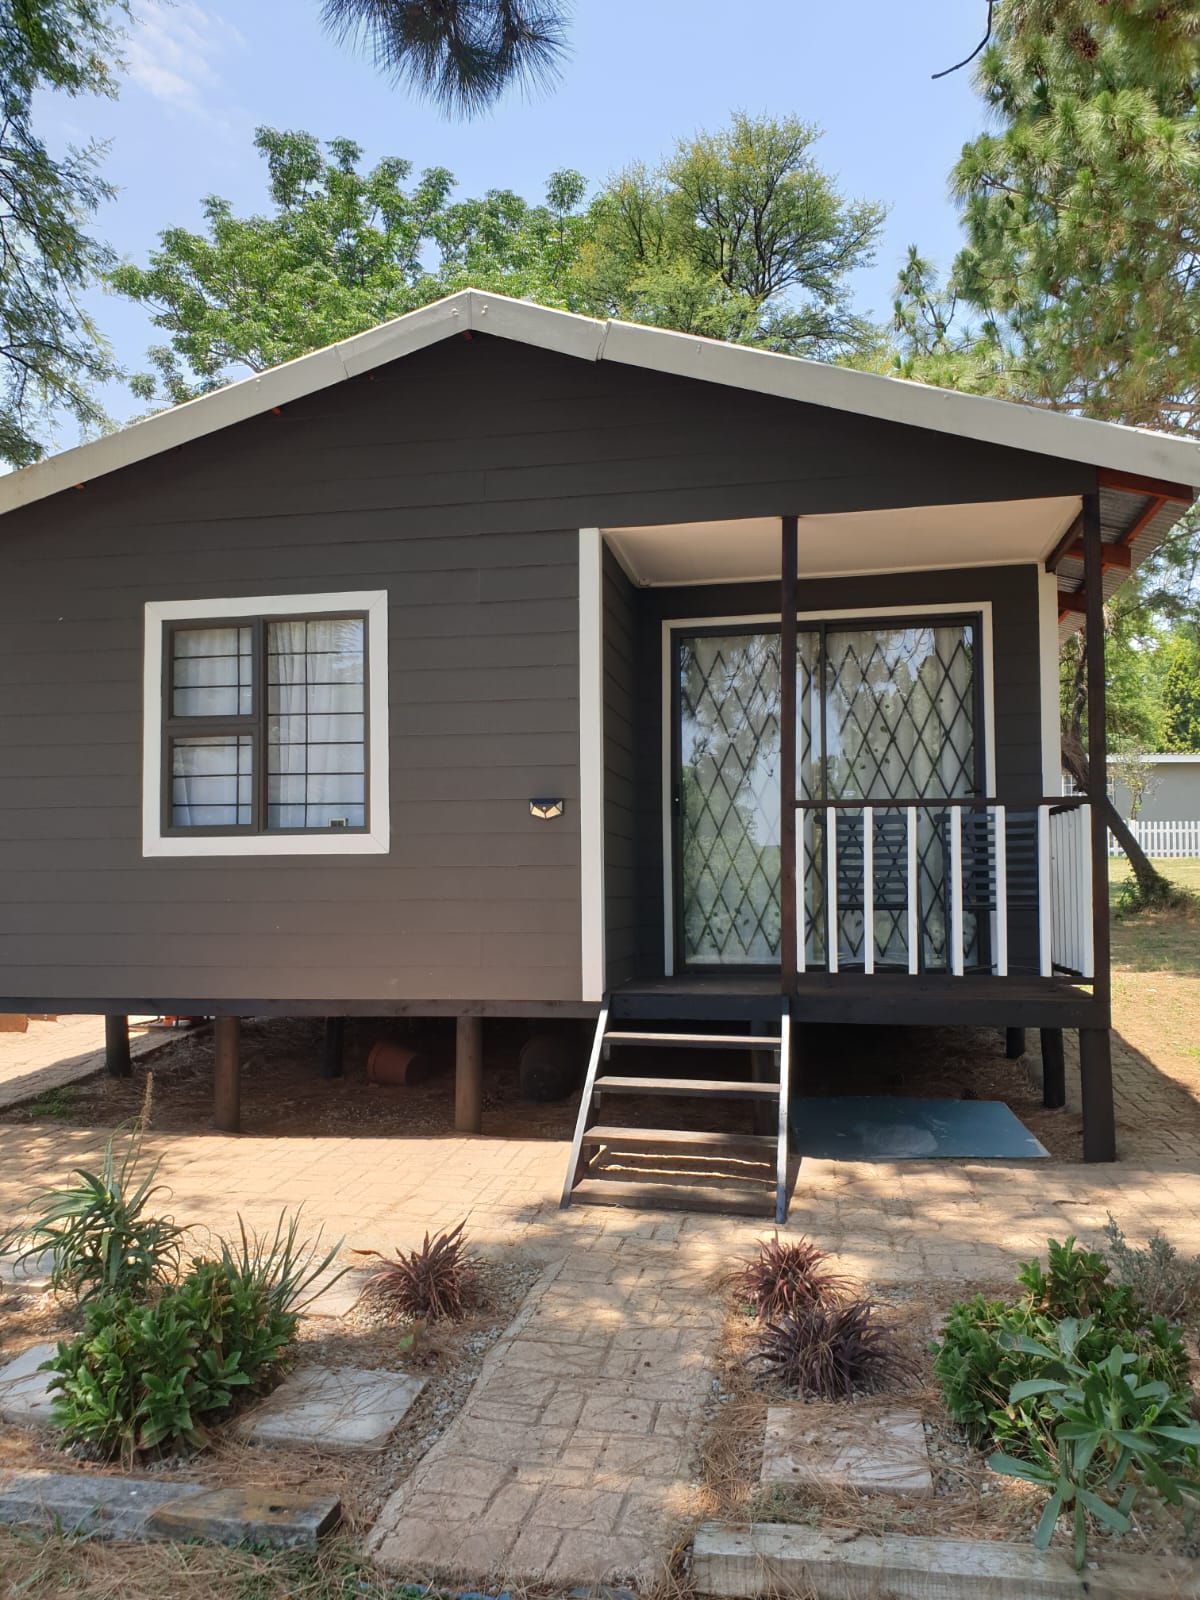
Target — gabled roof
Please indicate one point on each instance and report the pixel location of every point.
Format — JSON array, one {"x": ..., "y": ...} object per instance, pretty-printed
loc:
[{"x": 1103, "y": 444}]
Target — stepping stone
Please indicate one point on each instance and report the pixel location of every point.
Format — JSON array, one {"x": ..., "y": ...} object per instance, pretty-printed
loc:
[
  {"x": 335, "y": 1296},
  {"x": 115, "y": 1508},
  {"x": 876, "y": 1451},
  {"x": 339, "y": 1407},
  {"x": 33, "y": 1273},
  {"x": 277, "y": 1518},
  {"x": 24, "y": 1391}
]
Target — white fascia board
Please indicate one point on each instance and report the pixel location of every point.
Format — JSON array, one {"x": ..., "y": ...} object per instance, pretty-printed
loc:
[{"x": 561, "y": 331}]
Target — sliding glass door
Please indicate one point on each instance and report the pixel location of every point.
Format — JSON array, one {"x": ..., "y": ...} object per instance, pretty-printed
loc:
[{"x": 888, "y": 712}]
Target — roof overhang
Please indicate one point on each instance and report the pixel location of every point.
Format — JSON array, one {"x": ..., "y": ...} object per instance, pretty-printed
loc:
[{"x": 1102, "y": 444}]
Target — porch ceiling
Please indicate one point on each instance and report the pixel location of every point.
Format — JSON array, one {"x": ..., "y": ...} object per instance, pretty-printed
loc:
[{"x": 912, "y": 538}]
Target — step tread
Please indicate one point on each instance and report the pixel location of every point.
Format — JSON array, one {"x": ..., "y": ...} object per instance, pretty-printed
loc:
[
  {"x": 674, "y": 1197},
  {"x": 710, "y": 1140},
  {"x": 698, "y": 1041},
  {"x": 703, "y": 1088}
]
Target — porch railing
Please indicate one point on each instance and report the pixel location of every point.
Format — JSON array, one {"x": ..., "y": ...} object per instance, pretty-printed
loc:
[{"x": 952, "y": 886}]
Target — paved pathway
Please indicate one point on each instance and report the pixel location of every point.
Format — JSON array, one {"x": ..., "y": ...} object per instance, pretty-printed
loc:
[
  {"x": 575, "y": 1456},
  {"x": 57, "y": 1051}
]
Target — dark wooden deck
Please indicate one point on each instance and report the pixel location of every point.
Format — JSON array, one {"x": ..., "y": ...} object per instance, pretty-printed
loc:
[{"x": 929, "y": 1000}]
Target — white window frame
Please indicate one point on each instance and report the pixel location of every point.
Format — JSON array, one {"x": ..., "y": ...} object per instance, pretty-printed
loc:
[{"x": 332, "y": 842}]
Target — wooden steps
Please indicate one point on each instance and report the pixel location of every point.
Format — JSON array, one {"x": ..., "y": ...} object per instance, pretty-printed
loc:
[{"x": 660, "y": 1167}]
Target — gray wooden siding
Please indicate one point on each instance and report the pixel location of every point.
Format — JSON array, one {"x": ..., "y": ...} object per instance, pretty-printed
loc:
[{"x": 456, "y": 479}]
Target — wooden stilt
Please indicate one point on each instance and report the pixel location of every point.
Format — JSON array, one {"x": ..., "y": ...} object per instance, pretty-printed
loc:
[
  {"x": 468, "y": 1075},
  {"x": 227, "y": 1074},
  {"x": 1096, "y": 1091},
  {"x": 335, "y": 1044},
  {"x": 116, "y": 1047},
  {"x": 1054, "y": 1070},
  {"x": 1014, "y": 1043}
]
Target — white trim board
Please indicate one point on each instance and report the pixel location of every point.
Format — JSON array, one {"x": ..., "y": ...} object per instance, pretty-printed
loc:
[
  {"x": 592, "y": 908},
  {"x": 866, "y": 394},
  {"x": 848, "y": 614},
  {"x": 377, "y": 840}
]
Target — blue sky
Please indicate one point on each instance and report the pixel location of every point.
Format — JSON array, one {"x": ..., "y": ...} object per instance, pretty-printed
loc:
[{"x": 202, "y": 76}]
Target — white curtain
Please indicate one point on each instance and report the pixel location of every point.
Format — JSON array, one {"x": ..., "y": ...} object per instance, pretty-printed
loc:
[{"x": 316, "y": 750}]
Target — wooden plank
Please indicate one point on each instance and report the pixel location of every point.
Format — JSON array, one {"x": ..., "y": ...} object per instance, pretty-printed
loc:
[
  {"x": 1097, "y": 770},
  {"x": 697, "y": 1088},
  {"x": 702, "y": 1140},
  {"x": 733, "y": 1201},
  {"x": 1113, "y": 555},
  {"x": 1075, "y": 602},
  {"x": 781, "y": 1137},
  {"x": 586, "y": 1104},
  {"x": 696, "y": 1041},
  {"x": 1134, "y": 483},
  {"x": 780, "y": 1558},
  {"x": 789, "y": 958}
]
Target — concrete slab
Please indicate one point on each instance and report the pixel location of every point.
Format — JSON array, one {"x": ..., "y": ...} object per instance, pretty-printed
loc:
[
  {"x": 337, "y": 1292},
  {"x": 347, "y": 1408},
  {"x": 876, "y": 1450},
  {"x": 114, "y": 1507},
  {"x": 31, "y": 1274},
  {"x": 281, "y": 1520},
  {"x": 775, "y": 1558},
  {"x": 24, "y": 1391}
]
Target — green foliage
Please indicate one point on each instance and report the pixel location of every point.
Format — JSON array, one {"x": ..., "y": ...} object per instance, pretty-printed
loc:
[
  {"x": 738, "y": 235},
  {"x": 147, "y": 1377},
  {"x": 979, "y": 1359},
  {"x": 1113, "y": 1432},
  {"x": 50, "y": 352},
  {"x": 1165, "y": 1282},
  {"x": 100, "y": 1231},
  {"x": 461, "y": 54},
  {"x": 281, "y": 1266},
  {"x": 1181, "y": 695}
]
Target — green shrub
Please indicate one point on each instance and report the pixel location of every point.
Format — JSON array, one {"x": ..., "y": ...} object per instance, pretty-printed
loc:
[
  {"x": 1166, "y": 1282},
  {"x": 144, "y": 1377},
  {"x": 99, "y": 1230},
  {"x": 980, "y": 1359},
  {"x": 1113, "y": 1434}
]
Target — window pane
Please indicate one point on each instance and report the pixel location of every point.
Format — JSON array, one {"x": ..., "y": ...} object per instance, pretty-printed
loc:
[
  {"x": 316, "y": 730},
  {"x": 212, "y": 781},
  {"x": 212, "y": 672}
]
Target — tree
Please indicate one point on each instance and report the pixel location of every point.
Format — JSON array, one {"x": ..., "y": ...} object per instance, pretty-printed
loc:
[
  {"x": 1181, "y": 695},
  {"x": 738, "y": 235},
  {"x": 50, "y": 352},
  {"x": 461, "y": 54},
  {"x": 1080, "y": 277},
  {"x": 1137, "y": 775}
]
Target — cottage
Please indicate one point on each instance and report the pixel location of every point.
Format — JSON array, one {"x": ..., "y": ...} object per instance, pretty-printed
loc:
[{"x": 500, "y": 661}]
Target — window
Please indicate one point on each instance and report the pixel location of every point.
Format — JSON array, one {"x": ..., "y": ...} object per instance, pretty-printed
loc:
[{"x": 266, "y": 726}]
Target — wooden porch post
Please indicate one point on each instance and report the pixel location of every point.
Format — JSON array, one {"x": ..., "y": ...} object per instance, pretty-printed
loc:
[
  {"x": 116, "y": 1047},
  {"x": 787, "y": 756},
  {"x": 1014, "y": 1043},
  {"x": 1054, "y": 1070},
  {"x": 468, "y": 1075},
  {"x": 227, "y": 1070},
  {"x": 335, "y": 1044},
  {"x": 1095, "y": 1050}
]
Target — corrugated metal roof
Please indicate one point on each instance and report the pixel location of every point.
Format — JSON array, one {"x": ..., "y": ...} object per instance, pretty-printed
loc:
[{"x": 1120, "y": 511}]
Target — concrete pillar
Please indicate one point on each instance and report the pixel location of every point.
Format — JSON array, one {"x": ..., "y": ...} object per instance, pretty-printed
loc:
[
  {"x": 227, "y": 1074},
  {"x": 468, "y": 1075},
  {"x": 116, "y": 1047}
]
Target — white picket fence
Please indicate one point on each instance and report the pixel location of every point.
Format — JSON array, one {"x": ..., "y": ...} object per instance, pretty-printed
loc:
[{"x": 1162, "y": 840}]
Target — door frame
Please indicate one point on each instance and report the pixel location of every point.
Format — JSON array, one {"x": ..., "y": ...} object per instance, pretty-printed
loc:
[{"x": 734, "y": 623}]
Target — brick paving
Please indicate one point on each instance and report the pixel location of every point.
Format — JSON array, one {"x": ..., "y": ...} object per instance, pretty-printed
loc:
[
  {"x": 53, "y": 1052},
  {"x": 575, "y": 1457}
]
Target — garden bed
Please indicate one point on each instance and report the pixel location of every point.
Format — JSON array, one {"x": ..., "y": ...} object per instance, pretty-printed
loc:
[
  {"x": 448, "y": 1356},
  {"x": 968, "y": 1500}
]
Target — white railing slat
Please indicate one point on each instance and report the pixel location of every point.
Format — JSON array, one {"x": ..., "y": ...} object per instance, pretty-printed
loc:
[
  {"x": 1045, "y": 893},
  {"x": 803, "y": 834},
  {"x": 913, "y": 898},
  {"x": 956, "y": 892},
  {"x": 831, "y": 895},
  {"x": 1001, "y": 868},
  {"x": 868, "y": 889}
]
